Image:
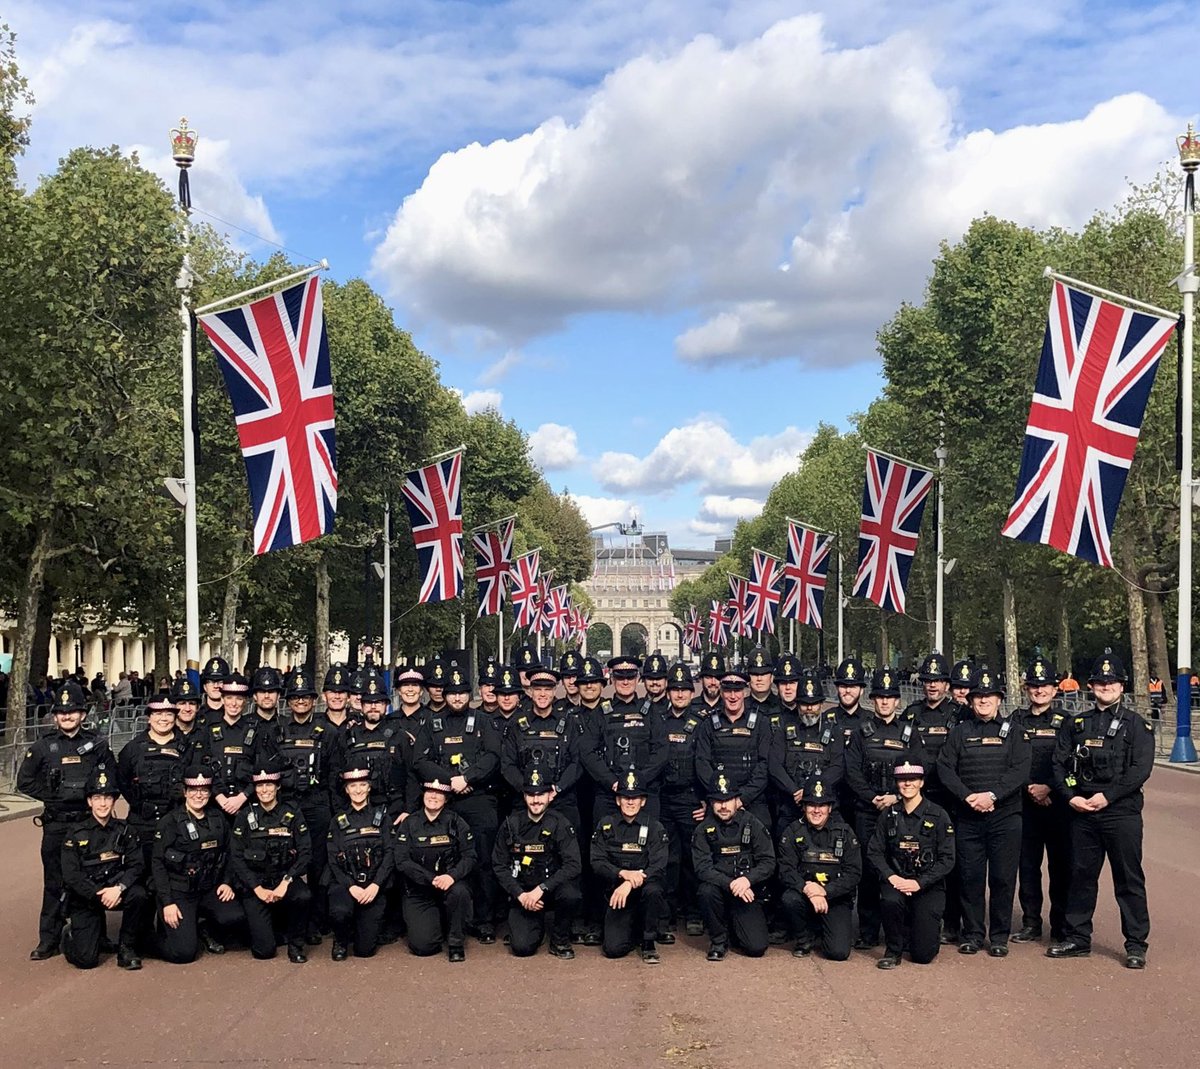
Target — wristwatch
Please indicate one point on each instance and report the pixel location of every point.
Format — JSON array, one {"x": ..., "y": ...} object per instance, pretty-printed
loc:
[
  {"x": 992, "y": 795},
  {"x": 544, "y": 888}
]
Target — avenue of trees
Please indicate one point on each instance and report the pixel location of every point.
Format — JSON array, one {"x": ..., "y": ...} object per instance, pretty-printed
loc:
[{"x": 90, "y": 403}]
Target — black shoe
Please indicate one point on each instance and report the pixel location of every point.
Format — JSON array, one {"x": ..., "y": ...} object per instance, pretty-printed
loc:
[
  {"x": 694, "y": 927},
  {"x": 562, "y": 950},
  {"x": 777, "y": 937},
  {"x": 211, "y": 946},
  {"x": 127, "y": 958},
  {"x": 296, "y": 955},
  {"x": 42, "y": 952},
  {"x": 591, "y": 939},
  {"x": 949, "y": 937},
  {"x": 486, "y": 934},
  {"x": 1029, "y": 934},
  {"x": 340, "y": 953},
  {"x": 865, "y": 944},
  {"x": 1068, "y": 950},
  {"x": 650, "y": 952},
  {"x": 386, "y": 939},
  {"x": 717, "y": 952},
  {"x": 998, "y": 950},
  {"x": 968, "y": 948},
  {"x": 801, "y": 951},
  {"x": 888, "y": 961},
  {"x": 313, "y": 939},
  {"x": 456, "y": 954},
  {"x": 666, "y": 938},
  {"x": 1135, "y": 960}
]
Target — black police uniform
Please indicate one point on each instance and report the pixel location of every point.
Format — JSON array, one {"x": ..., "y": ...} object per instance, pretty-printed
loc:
[
  {"x": 619, "y": 736},
  {"x": 359, "y": 854},
  {"x": 680, "y": 799},
  {"x": 55, "y": 771},
  {"x": 268, "y": 847},
  {"x": 1110, "y": 752},
  {"x": 189, "y": 863},
  {"x": 725, "y": 850},
  {"x": 425, "y": 849},
  {"x": 831, "y": 857},
  {"x": 980, "y": 757},
  {"x": 150, "y": 775},
  {"x": 96, "y": 856},
  {"x": 530, "y": 854},
  {"x": 742, "y": 749},
  {"x": 373, "y": 746},
  {"x": 799, "y": 751},
  {"x": 917, "y": 846},
  {"x": 550, "y": 742},
  {"x": 230, "y": 752},
  {"x": 638, "y": 844}
]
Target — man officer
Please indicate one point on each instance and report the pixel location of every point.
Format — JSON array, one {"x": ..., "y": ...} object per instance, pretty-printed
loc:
[
  {"x": 681, "y": 802},
  {"x": 712, "y": 671},
  {"x": 737, "y": 742},
  {"x": 266, "y": 686}
]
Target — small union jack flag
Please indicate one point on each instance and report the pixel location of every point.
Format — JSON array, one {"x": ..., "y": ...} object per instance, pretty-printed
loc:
[
  {"x": 893, "y": 503},
  {"x": 718, "y": 624},
  {"x": 274, "y": 357},
  {"x": 738, "y": 610},
  {"x": 1098, "y": 364},
  {"x": 804, "y": 574},
  {"x": 693, "y": 632},
  {"x": 556, "y": 613},
  {"x": 762, "y": 591},
  {"x": 433, "y": 496},
  {"x": 523, "y": 588},
  {"x": 493, "y": 559},
  {"x": 542, "y": 597}
]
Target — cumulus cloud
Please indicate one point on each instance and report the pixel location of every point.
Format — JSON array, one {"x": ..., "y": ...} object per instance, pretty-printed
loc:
[
  {"x": 599, "y": 511},
  {"x": 499, "y": 369},
  {"x": 481, "y": 400},
  {"x": 718, "y": 507},
  {"x": 554, "y": 447},
  {"x": 693, "y": 176}
]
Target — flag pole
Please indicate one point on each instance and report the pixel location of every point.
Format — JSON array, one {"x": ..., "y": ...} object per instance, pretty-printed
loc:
[
  {"x": 940, "y": 610},
  {"x": 387, "y": 586},
  {"x": 1184, "y": 749},
  {"x": 841, "y": 611},
  {"x": 500, "y": 636},
  {"x": 321, "y": 265},
  {"x": 1049, "y": 272},
  {"x": 898, "y": 460}
]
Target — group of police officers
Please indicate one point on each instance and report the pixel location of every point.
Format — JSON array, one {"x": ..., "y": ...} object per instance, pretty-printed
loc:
[{"x": 754, "y": 811}]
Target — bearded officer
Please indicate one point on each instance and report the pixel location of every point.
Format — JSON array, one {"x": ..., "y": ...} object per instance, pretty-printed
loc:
[
  {"x": 266, "y": 686},
  {"x": 654, "y": 681},
  {"x": 736, "y": 741},
  {"x": 805, "y": 743},
  {"x": 712, "y": 671}
]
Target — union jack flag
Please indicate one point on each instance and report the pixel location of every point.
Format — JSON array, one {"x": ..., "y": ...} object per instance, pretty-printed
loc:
[
  {"x": 274, "y": 357},
  {"x": 762, "y": 591},
  {"x": 540, "y": 622},
  {"x": 1098, "y": 365},
  {"x": 693, "y": 632},
  {"x": 804, "y": 574},
  {"x": 893, "y": 503},
  {"x": 493, "y": 559},
  {"x": 718, "y": 624},
  {"x": 523, "y": 588},
  {"x": 433, "y": 497},
  {"x": 739, "y": 606},
  {"x": 580, "y": 621},
  {"x": 557, "y": 613}
]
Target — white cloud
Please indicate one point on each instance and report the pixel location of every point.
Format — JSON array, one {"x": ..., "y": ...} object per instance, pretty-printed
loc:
[
  {"x": 730, "y": 509},
  {"x": 599, "y": 511},
  {"x": 690, "y": 172},
  {"x": 499, "y": 369},
  {"x": 481, "y": 400},
  {"x": 704, "y": 451},
  {"x": 554, "y": 447}
]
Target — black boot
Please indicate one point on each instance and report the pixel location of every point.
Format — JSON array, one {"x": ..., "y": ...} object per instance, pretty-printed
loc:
[
  {"x": 43, "y": 951},
  {"x": 339, "y": 951},
  {"x": 457, "y": 953},
  {"x": 296, "y": 954},
  {"x": 127, "y": 958},
  {"x": 650, "y": 952}
]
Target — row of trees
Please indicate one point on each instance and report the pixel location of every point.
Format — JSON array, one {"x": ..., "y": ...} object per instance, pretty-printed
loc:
[
  {"x": 90, "y": 405},
  {"x": 960, "y": 368}
]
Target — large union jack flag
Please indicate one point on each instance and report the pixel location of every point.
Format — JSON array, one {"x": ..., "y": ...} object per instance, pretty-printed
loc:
[
  {"x": 718, "y": 624},
  {"x": 523, "y": 588},
  {"x": 493, "y": 559},
  {"x": 804, "y": 574},
  {"x": 433, "y": 496},
  {"x": 274, "y": 357},
  {"x": 893, "y": 503},
  {"x": 762, "y": 591},
  {"x": 1098, "y": 365}
]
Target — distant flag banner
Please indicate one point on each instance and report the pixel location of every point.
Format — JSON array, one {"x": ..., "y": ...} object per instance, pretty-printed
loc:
[
  {"x": 523, "y": 588},
  {"x": 1098, "y": 364},
  {"x": 557, "y": 613},
  {"x": 493, "y": 559},
  {"x": 762, "y": 591},
  {"x": 693, "y": 632},
  {"x": 894, "y": 494},
  {"x": 274, "y": 357},
  {"x": 739, "y": 605},
  {"x": 580, "y": 621},
  {"x": 718, "y": 625},
  {"x": 542, "y": 598},
  {"x": 804, "y": 574},
  {"x": 433, "y": 497}
]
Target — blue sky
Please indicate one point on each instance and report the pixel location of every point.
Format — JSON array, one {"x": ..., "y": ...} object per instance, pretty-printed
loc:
[{"x": 660, "y": 236}]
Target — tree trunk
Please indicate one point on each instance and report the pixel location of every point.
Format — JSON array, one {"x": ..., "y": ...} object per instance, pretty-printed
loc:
[
  {"x": 884, "y": 641},
  {"x": 229, "y": 608},
  {"x": 254, "y": 643},
  {"x": 1064, "y": 633},
  {"x": 27, "y": 614},
  {"x": 1012, "y": 667},
  {"x": 321, "y": 623},
  {"x": 1137, "y": 627},
  {"x": 1156, "y": 637},
  {"x": 162, "y": 649},
  {"x": 39, "y": 658}
]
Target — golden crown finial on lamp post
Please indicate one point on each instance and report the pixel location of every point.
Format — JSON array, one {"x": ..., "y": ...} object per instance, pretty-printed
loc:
[
  {"x": 1189, "y": 149},
  {"x": 183, "y": 144}
]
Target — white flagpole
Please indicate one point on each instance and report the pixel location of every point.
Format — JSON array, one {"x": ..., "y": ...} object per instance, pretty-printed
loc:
[
  {"x": 1049, "y": 272},
  {"x": 462, "y": 630},
  {"x": 939, "y": 641},
  {"x": 791, "y": 636},
  {"x": 500, "y": 635},
  {"x": 323, "y": 265},
  {"x": 387, "y": 586},
  {"x": 841, "y": 613}
]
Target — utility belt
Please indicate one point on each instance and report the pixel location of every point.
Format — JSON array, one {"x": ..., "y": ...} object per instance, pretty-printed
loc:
[
  {"x": 104, "y": 872},
  {"x": 54, "y": 815},
  {"x": 362, "y": 863},
  {"x": 530, "y": 875},
  {"x": 192, "y": 872},
  {"x": 306, "y": 768},
  {"x": 911, "y": 854}
]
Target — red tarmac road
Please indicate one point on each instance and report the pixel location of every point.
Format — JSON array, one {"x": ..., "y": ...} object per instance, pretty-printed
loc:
[{"x": 540, "y": 1013}]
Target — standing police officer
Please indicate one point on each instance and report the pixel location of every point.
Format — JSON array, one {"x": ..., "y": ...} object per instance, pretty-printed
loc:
[
  {"x": 805, "y": 743},
  {"x": 761, "y": 671},
  {"x": 216, "y": 672},
  {"x": 654, "y": 680},
  {"x": 230, "y": 746},
  {"x": 737, "y": 742},
  {"x": 1102, "y": 759},
  {"x": 266, "y": 687},
  {"x": 682, "y": 804},
  {"x": 712, "y": 671}
]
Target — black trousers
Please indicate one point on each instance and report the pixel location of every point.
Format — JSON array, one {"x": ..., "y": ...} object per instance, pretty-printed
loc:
[
  {"x": 87, "y": 922},
  {"x": 916, "y": 919},
  {"x": 1045, "y": 833},
  {"x": 317, "y": 816},
  {"x": 833, "y": 931},
  {"x": 180, "y": 945},
  {"x": 482, "y": 816},
  {"x": 295, "y": 906},
  {"x": 353, "y": 923},
  {"x": 869, "y": 915},
  {"x": 725, "y": 916},
  {"x": 952, "y": 915},
  {"x": 50, "y": 922},
  {"x": 989, "y": 850},
  {"x": 680, "y": 878},
  {"x": 430, "y": 913},
  {"x": 640, "y": 921},
  {"x": 1115, "y": 833},
  {"x": 527, "y": 929}
]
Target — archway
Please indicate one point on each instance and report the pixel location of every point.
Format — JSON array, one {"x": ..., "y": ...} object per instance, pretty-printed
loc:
[
  {"x": 634, "y": 640},
  {"x": 600, "y": 641}
]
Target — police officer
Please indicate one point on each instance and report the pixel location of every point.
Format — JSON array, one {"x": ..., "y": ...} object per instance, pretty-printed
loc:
[
  {"x": 536, "y": 863},
  {"x": 489, "y": 676},
  {"x": 848, "y": 678},
  {"x": 191, "y": 853},
  {"x": 736, "y": 741},
  {"x": 1101, "y": 761},
  {"x": 682, "y": 804},
  {"x": 435, "y": 854},
  {"x": 962, "y": 676},
  {"x": 984, "y": 766},
  {"x": 589, "y": 714},
  {"x": 712, "y": 671},
  {"x": 435, "y": 685},
  {"x": 150, "y": 771},
  {"x": 524, "y": 658},
  {"x": 881, "y": 741},
  {"x": 654, "y": 681},
  {"x": 335, "y": 695},
  {"x": 230, "y": 745},
  {"x": 186, "y": 699},
  {"x": 509, "y": 694},
  {"x": 410, "y": 716},
  {"x": 269, "y": 852},
  {"x": 733, "y": 855},
  {"x": 266, "y": 687},
  {"x": 912, "y": 852},
  {"x": 820, "y": 864},
  {"x": 761, "y": 669},
  {"x": 360, "y": 867},
  {"x": 629, "y": 858},
  {"x": 373, "y": 741},
  {"x": 55, "y": 770},
  {"x": 805, "y": 742},
  {"x": 102, "y": 866},
  {"x": 1045, "y": 817},
  {"x": 216, "y": 671},
  {"x": 568, "y": 672}
]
